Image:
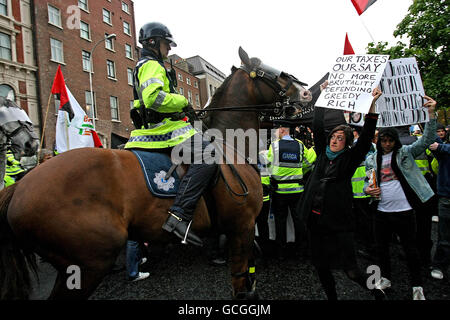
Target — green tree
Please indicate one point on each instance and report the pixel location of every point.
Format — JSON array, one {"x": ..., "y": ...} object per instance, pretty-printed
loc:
[{"x": 427, "y": 26}]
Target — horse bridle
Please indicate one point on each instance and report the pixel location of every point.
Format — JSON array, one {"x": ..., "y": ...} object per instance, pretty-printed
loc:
[{"x": 270, "y": 77}]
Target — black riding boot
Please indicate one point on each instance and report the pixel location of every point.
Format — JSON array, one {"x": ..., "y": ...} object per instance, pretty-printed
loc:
[{"x": 180, "y": 227}]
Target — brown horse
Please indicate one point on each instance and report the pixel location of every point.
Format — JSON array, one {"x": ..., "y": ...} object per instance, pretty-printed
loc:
[{"x": 80, "y": 207}]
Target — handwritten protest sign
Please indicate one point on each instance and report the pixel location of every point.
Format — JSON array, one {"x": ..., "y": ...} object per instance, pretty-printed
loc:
[
  {"x": 402, "y": 99},
  {"x": 351, "y": 81}
]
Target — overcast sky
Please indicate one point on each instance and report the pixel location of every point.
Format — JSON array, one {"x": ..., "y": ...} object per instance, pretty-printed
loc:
[{"x": 301, "y": 37}]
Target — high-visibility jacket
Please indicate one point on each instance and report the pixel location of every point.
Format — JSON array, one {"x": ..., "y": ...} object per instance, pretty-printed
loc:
[
  {"x": 263, "y": 164},
  {"x": 13, "y": 166},
  {"x": 289, "y": 160},
  {"x": 7, "y": 180},
  {"x": 153, "y": 89},
  {"x": 422, "y": 163},
  {"x": 358, "y": 182}
]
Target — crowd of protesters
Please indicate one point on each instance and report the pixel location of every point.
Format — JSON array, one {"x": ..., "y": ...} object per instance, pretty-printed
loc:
[{"x": 376, "y": 186}]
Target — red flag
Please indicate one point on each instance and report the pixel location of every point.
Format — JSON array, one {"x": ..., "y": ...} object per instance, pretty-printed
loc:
[
  {"x": 59, "y": 89},
  {"x": 348, "y": 47},
  {"x": 97, "y": 142},
  {"x": 362, "y": 5}
]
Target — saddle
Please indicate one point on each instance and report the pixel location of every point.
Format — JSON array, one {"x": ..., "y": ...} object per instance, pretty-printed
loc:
[{"x": 160, "y": 175}]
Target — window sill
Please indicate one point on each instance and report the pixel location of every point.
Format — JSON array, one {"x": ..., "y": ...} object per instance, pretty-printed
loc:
[
  {"x": 63, "y": 63},
  {"x": 55, "y": 25},
  {"x": 113, "y": 79},
  {"x": 116, "y": 121},
  {"x": 86, "y": 39}
]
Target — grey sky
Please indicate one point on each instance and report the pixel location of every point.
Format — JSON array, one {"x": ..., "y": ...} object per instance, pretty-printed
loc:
[{"x": 301, "y": 37}]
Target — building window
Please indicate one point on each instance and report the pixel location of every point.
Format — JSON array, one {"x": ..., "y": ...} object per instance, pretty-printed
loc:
[
  {"x": 196, "y": 84},
  {"x": 86, "y": 56},
  {"x": 5, "y": 46},
  {"x": 197, "y": 100},
  {"x": 91, "y": 112},
  {"x": 128, "y": 51},
  {"x": 114, "y": 103},
  {"x": 181, "y": 90},
  {"x": 111, "y": 69},
  {"x": 54, "y": 16},
  {"x": 126, "y": 28},
  {"x": 107, "y": 17},
  {"x": 4, "y": 7},
  {"x": 85, "y": 33},
  {"x": 7, "y": 92},
  {"x": 56, "y": 47},
  {"x": 130, "y": 76},
  {"x": 188, "y": 81},
  {"x": 190, "y": 96},
  {"x": 180, "y": 77},
  {"x": 125, "y": 7},
  {"x": 109, "y": 43},
  {"x": 83, "y": 4}
]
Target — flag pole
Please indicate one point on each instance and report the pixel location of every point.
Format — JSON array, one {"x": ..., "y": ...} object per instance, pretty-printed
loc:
[
  {"x": 362, "y": 21},
  {"x": 43, "y": 128}
]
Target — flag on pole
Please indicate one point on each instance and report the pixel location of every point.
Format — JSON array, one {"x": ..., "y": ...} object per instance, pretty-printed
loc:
[
  {"x": 348, "y": 49},
  {"x": 60, "y": 92},
  {"x": 74, "y": 129},
  {"x": 362, "y": 5}
]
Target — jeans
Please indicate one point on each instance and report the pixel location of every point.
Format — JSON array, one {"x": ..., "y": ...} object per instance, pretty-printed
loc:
[
  {"x": 404, "y": 225},
  {"x": 441, "y": 258},
  {"x": 195, "y": 181},
  {"x": 133, "y": 258}
]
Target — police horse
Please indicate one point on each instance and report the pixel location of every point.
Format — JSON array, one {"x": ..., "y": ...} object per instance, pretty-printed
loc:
[{"x": 80, "y": 207}]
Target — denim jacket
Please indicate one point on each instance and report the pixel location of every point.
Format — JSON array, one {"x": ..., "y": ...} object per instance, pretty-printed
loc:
[{"x": 407, "y": 165}]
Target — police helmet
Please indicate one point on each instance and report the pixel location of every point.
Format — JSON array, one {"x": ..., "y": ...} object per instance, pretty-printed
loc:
[{"x": 154, "y": 30}]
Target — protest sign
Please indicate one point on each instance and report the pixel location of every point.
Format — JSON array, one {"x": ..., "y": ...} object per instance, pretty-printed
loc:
[
  {"x": 402, "y": 100},
  {"x": 351, "y": 81}
]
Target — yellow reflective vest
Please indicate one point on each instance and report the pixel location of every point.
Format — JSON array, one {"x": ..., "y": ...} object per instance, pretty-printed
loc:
[
  {"x": 289, "y": 160},
  {"x": 153, "y": 89},
  {"x": 358, "y": 182},
  {"x": 13, "y": 166},
  {"x": 263, "y": 164}
]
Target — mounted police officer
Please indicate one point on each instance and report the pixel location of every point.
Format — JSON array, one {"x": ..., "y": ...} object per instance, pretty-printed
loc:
[{"x": 158, "y": 115}]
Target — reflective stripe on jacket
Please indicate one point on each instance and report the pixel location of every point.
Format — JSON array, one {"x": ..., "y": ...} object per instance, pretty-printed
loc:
[
  {"x": 358, "y": 182},
  {"x": 13, "y": 166}
]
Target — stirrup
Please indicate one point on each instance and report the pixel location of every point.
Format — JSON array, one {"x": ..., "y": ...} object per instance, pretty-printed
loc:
[{"x": 186, "y": 233}]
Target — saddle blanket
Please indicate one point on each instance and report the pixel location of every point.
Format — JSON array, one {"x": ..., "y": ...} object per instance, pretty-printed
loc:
[{"x": 155, "y": 166}]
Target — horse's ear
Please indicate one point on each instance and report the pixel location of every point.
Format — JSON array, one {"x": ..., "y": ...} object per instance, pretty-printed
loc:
[{"x": 244, "y": 57}]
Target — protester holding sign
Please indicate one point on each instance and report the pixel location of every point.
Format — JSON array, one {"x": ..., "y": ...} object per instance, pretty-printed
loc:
[
  {"x": 327, "y": 201},
  {"x": 401, "y": 187}
]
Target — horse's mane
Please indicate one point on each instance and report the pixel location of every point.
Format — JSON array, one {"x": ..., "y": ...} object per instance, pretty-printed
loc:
[{"x": 220, "y": 91}]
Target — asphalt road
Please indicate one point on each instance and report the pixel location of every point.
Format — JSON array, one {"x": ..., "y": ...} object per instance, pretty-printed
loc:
[{"x": 179, "y": 272}]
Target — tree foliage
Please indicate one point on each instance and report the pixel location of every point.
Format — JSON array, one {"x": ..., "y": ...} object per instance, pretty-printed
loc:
[{"x": 427, "y": 26}]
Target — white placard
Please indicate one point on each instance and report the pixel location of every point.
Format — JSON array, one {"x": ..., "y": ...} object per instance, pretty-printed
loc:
[
  {"x": 351, "y": 82},
  {"x": 402, "y": 100}
]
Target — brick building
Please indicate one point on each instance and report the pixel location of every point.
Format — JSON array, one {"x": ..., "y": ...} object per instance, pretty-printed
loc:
[
  {"x": 187, "y": 83},
  {"x": 17, "y": 62},
  {"x": 66, "y": 32}
]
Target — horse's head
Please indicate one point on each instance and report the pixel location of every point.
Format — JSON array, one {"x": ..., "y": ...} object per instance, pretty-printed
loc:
[
  {"x": 284, "y": 87},
  {"x": 17, "y": 129}
]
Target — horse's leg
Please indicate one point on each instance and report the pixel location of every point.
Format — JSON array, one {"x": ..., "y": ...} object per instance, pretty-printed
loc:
[{"x": 66, "y": 288}]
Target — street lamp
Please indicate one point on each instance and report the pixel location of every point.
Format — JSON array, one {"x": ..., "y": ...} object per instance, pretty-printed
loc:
[{"x": 113, "y": 35}]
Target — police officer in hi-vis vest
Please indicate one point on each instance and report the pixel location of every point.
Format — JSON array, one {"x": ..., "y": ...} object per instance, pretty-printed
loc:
[
  {"x": 158, "y": 115},
  {"x": 289, "y": 160}
]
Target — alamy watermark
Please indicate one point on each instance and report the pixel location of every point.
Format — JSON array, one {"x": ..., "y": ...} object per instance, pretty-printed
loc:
[{"x": 212, "y": 147}]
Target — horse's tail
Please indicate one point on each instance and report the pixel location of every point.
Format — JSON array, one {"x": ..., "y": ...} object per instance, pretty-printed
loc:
[{"x": 15, "y": 280}]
